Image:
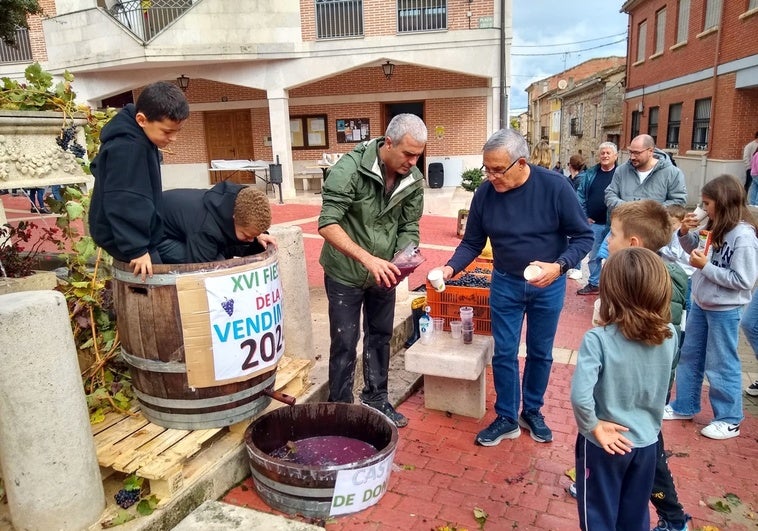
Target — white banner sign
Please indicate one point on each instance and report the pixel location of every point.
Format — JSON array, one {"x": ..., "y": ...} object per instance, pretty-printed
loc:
[
  {"x": 245, "y": 311},
  {"x": 360, "y": 488}
]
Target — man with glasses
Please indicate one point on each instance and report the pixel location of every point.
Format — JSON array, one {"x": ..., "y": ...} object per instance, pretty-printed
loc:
[
  {"x": 649, "y": 174},
  {"x": 532, "y": 217}
]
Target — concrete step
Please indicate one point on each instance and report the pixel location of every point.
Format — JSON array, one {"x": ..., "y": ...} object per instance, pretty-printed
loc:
[{"x": 218, "y": 516}]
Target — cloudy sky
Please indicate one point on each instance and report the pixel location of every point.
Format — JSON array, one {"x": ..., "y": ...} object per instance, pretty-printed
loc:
[{"x": 550, "y": 36}]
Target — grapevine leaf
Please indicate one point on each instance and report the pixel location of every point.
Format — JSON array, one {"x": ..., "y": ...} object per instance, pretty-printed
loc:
[
  {"x": 480, "y": 515},
  {"x": 97, "y": 416},
  {"x": 146, "y": 506},
  {"x": 720, "y": 506},
  {"x": 133, "y": 482},
  {"x": 733, "y": 499},
  {"x": 571, "y": 473},
  {"x": 74, "y": 210},
  {"x": 122, "y": 516}
]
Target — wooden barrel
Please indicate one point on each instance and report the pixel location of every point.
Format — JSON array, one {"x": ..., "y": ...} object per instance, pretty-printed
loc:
[
  {"x": 152, "y": 343},
  {"x": 308, "y": 490}
]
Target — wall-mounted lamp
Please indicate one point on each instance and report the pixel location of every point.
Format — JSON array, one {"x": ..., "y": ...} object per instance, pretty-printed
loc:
[
  {"x": 388, "y": 68},
  {"x": 183, "y": 82}
]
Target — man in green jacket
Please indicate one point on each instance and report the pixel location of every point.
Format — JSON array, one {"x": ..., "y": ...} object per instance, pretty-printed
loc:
[{"x": 372, "y": 201}]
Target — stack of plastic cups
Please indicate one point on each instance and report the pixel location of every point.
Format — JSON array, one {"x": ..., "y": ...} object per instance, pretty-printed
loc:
[{"x": 467, "y": 320}]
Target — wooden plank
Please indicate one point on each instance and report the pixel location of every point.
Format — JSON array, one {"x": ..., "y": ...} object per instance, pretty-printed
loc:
[
  {"x": 111, "y": 418},
  {"x": 118, "y": 431},
  {"x": 289, "y": 371},
  {"x": 130, "y": 463},
  {"x": 128, "y": 445},
  {"x": 176, "y": 455}
]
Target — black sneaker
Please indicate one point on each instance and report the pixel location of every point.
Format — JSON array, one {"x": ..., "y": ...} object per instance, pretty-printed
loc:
[
  {"x": 589, "y": 289},
  {"x": 534, "y": 422},
  {"x": 752, "y": 389},
  {"x": 501, "y": 428},
  {"x": 386, "y": 409}
]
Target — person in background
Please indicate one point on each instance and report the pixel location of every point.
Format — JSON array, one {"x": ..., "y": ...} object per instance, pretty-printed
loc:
[
  {"x": 37, "y": 198},
  {"x": 541, "y": 154},
  {"x": 576, "y": 170},
  {"x": 207, "y": 225},
  {"x": 510, "y": 209},
  {"x": 591, "y": 194},
  {"x": 721, "y": 285},
  {"x": 618, "y": 392},
  {"x": 124, "y": 215},
  {"x": 749, "y": 325},
  {"x": 558, "y": 168},
  {"x": 747, "y": 156},
  {"x": 648, "y": 174},
  {"x": 673, "y": 252},
  {"x": 752, "y": 197},
  {"x": 372, "y": 203}
]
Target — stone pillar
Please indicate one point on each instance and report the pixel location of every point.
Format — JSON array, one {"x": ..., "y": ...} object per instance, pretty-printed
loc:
[
  {"x": 47, "y": 452},
  {"x": 281, "y": 144},
  {"x": 298, "y": 327}
]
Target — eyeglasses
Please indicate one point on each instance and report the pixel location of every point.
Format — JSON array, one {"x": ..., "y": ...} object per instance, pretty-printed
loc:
[
  {"x": 498, "y": 174},
  {"x": 638, "y": 153}
]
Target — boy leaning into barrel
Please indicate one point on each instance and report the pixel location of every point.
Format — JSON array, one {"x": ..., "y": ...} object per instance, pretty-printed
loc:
[{"x": 124, "y": 215}]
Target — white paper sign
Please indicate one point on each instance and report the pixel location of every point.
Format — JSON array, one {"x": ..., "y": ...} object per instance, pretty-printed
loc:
[
  {"x": 360, "y": 488},
  {"x": 245, "y": 311}
]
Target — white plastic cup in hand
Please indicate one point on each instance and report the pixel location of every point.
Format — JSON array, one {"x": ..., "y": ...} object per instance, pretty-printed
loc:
[
  {"x": 456, "y": 329},
  {"x": 596, "y": 313},
  {"x": 700, "y": 214},
  {"x": 532, "y": 271},
  {"x": 436, "y": 279}
]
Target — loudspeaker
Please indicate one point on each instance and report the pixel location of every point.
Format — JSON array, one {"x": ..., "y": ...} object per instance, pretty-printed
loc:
[{"x": 436, "y": 177}]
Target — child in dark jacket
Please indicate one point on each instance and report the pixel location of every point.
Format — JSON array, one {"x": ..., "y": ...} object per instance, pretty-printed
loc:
[
  {"x": 207, "y": 225},
  {"x": 124, "y": 215}
]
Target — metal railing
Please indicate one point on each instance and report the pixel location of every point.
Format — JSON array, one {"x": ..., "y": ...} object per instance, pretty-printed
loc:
[
  {"x": 421, "y": 15},
  {"x": 147, "y": 18},
  {"x": 339, "y": 18},
  {"x": 21, "y": 52}
]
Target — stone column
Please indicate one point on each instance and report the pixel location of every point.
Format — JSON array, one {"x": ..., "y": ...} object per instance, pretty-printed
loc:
[
  {"x": 298, "y": 328},
  {"x": 47, "y": 452},
  {"x": 281, "y": 144}
]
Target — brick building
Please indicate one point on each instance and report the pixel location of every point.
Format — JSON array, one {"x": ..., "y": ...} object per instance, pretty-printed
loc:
[
  {"x": 547, "y": 116},
  {"x": 287, "y": 78},
  {"x": 692, "y": 82}
]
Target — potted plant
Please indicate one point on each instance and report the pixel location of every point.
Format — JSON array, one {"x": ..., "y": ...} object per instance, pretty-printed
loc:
[{"x": 470, "y": 181}]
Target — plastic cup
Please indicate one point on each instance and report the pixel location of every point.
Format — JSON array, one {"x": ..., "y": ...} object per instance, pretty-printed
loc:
[
  {"x": 435, "y": 279},
  {"x": 468, "y": 332},
  {"x": 700, "y": 214},
  {"x": 439, "y": 325},
  {"x": 596, "y": 313},
  {"x": 532, "y": 271},
  {"x": 456, "y": 329}
]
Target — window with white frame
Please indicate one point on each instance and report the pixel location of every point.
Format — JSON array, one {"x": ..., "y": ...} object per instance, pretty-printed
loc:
[
  {"x": 712, "y": 14},
  {"x": 660, "y": 30},
  {"x": 683, "y": 23},
  {"x": 753, "y": 4},
  {"x": 700, "y": 124},
  {"x": 641, "y": 37},
  {"x": 675, "y": 121}
]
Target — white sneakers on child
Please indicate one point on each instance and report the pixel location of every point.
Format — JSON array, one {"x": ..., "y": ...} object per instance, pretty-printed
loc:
[{"x": 720, "y": 430}]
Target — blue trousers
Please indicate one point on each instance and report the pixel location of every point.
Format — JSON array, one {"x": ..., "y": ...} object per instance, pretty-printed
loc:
[
  {"x": 749, "y": 323},
  {"x": 512, "y": 299},
  {"x": 595, "y": 259},
  {"x": 613, "y": 491}
]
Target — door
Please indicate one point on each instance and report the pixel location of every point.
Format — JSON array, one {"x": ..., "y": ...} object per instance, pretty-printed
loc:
[
  {"x": 393, "y": 109},
  {"x": 229, "y": 136}
]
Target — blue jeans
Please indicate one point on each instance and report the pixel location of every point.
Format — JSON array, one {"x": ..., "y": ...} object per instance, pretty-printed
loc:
[
  {"x": 596, "y": 262},
  {"x": 511, "y": 298},
  {"x": 710, "y": 349},
  {"x": 752, "y": 194},
  {"x": 749, "y": 323}
]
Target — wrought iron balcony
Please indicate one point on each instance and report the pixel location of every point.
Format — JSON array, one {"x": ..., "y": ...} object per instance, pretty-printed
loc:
[
  {"x": 339, "y": 18},
  {"x": 21, "y": 52},
  {"x": 147, "y": 18}
]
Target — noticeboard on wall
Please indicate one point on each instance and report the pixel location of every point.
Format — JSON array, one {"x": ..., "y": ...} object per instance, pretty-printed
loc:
[{"x": 351, "y": 130}]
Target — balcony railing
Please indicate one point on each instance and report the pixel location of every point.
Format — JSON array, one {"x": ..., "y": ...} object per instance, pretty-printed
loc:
[
  {"x": 421, "y": 15},
  {"x": 576, "y": 127},
  {"x": 339, "y": 18},
  {"x": 21, "y": 52},
  {"x": 147, "y": 18}
]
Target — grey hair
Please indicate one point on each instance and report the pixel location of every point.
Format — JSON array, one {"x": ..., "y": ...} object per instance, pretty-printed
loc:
[
  {"x": 406, "y": 124},
  {"x": 510, "y": 140},
  {"x": 609, "y": 145}
]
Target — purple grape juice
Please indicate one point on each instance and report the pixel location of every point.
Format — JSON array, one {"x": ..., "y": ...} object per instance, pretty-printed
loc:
[{"x": 326, "y": 450}]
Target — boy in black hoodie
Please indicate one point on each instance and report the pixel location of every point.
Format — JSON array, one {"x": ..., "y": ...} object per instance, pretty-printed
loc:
[
  {"x": 207, "y": 225},
  {"x": 124, "y": 215}
]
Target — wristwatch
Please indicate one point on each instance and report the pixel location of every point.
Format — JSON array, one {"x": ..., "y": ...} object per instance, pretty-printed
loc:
[{"x": 563, "y": 265}]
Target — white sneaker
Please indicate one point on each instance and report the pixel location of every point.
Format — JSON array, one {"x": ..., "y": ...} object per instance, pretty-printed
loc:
[
  {"x": 574, "y": 274},
  {"x": 718, "y": 429},
  {"x": 670, "y": 414}
]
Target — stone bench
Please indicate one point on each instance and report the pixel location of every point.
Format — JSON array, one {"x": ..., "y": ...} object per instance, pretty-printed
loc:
[
  {"x": 309, "y": 177},
  {"x": 453, "y": 372}
]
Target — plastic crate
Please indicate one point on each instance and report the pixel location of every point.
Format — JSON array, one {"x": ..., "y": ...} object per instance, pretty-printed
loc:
[{"x": 448, "y": 303}]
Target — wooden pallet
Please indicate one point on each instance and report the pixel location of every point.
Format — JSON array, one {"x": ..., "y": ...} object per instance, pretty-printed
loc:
[{"x": 130, "y": 444}]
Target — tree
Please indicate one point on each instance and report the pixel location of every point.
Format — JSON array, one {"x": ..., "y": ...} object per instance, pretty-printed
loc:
[{"x": 14, "y": 16}]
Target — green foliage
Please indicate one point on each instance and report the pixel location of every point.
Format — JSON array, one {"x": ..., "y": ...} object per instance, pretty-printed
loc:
[
  {"x": 39, "y": 93},
  {"x": 471, "y": 179},
  {"x": 14, "y": 15},
  {"x": 18, "y": 253}
]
